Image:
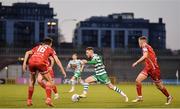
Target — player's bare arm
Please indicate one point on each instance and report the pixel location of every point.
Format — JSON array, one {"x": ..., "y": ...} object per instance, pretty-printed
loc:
[
  {"x": 58, "y": 62},
  {"x": 52, "y": 61},
  {"x": 84, "y": 61},
  {"x": 145, "y": 55},
  {"x": 26, "y": 59},
  {"x": 82, "y": 66},
  {"x": 68, "y": 66}
]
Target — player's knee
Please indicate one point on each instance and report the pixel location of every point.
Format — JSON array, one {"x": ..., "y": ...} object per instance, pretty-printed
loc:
[
  {"x": 159, "y": 86},
  {"x": 138, "y": 81},
  {"x": 30, "y": 85},
  {"x": 48, "y": 83},
  {"x": 39, "y": 80},
  {"x": 86, "y": 80},
  {"x": 82, "y": 82},
  {"x": 110, "y": 86}
]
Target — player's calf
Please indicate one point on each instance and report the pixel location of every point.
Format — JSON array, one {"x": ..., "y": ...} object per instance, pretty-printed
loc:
[
  {"x": 116, "y": 89},
  {"x": 86, "y": 86},
  {"x": 163, "y": 89},
  {"x": 49, "y": 85},
  {"x": 54, "y": 89},
  {"x": 139, "y": 92},
  {"x": 72, "y": 85},
  {"x": 30, "y": 89},
  {"x": 142, "y": 76}
]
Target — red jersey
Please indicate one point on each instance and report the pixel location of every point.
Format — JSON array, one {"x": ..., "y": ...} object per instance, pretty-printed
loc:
[
  {"x": 151, "y": 60},
  {"x": 41, "y": 54}
]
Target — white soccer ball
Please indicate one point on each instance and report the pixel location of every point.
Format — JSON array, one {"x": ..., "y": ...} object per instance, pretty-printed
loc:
[{"x": 75, "y": 98}]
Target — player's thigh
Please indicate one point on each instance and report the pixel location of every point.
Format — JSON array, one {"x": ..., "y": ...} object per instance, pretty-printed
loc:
[
  {"x": 40, "y": 77},
  {"x": 77, "y": 74},
  {"x": 141, "y": 77},
  {"x": 73, "y": 78},
  {"x": 155, "y": 76},
  {"x": 90, "y": 79}
]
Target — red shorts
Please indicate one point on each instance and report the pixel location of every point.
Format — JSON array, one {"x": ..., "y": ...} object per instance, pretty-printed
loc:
[
  {"x": 38, "y": 66},
  {"x": 153, "y": 73},
  {"x": 51, "y": 72}
]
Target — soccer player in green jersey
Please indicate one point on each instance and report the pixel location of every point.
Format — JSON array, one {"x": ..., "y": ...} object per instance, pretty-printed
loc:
[
  {"x": 77, "y": 65},
  {"x": 100, "y": 74}
]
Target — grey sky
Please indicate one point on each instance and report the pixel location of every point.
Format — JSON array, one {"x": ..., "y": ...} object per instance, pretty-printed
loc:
[{"x": 169, "y": 10}]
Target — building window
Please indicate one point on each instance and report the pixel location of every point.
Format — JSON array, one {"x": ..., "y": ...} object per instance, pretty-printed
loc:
[
  {"x": 90, "y": 38},
  {"x": 24, "y": 34},
  {"x": 41, "y": 31},
  {"x": 2, "y": 33},
  {"x": 106, "y": 38},
  {"x": 119, "y": 39}
]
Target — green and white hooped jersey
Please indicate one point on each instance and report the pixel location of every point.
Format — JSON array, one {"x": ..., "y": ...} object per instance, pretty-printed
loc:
[
  {"x": 76, "y": 63},
  {"x": 98, "y": 64}
]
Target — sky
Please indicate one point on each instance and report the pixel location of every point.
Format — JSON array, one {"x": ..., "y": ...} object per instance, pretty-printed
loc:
[{"x": 80, "y": 10}]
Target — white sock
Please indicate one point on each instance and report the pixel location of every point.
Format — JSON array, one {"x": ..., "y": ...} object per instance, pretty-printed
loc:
[
  {"x": 72, "y": 84},
  {"x": 119, "y": 91},
  {"x": 85, "y": 92},
  {"x": 86, "y": 86}
]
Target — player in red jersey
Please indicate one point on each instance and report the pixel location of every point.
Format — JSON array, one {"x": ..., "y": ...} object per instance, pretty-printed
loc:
[
  {"x": 151, "y": 69},
  {"x": 51, "y": 72},
  {"x": 38, "y": 64}
]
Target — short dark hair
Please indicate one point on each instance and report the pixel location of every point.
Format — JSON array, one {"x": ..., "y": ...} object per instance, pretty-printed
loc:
[
  {"x": 75, "y": 54},
  {"x": 90, "y": 48},
  {"x": 47, "y": 40},
  {"x": 142, "y": 38}
]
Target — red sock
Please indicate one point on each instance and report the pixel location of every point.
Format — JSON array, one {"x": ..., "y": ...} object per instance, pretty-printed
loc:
[
  {"x": 48, "y": 91},
  {"x": 42, "y": 85},
  {"x": 30, "y": 92},
  {"x": 165, "y": 92},
  {"x": 54, "y": 88},
  {"x": 139, "y": 88}
]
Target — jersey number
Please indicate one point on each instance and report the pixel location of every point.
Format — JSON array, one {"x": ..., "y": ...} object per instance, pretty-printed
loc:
[{"x": 42, "y": 49}]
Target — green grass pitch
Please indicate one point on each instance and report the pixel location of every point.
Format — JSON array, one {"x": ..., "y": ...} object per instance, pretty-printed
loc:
[{"x": 14, "y": 96}]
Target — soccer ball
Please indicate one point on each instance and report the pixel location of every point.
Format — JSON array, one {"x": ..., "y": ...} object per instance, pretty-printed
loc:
[{"x": 75, "y": 98}]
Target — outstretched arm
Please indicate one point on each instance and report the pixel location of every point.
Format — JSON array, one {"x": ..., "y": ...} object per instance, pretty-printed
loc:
[
  {"x": 26, "y": 59},
  {"x": 59, "y": 65},
  {"x": 92, "y": 62},
  {"x": 89, "y": 62},
  {"x": 82, "y": 66},
  {"x": 68, "y": 66},
  {"x": 145, "y": 55}
]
